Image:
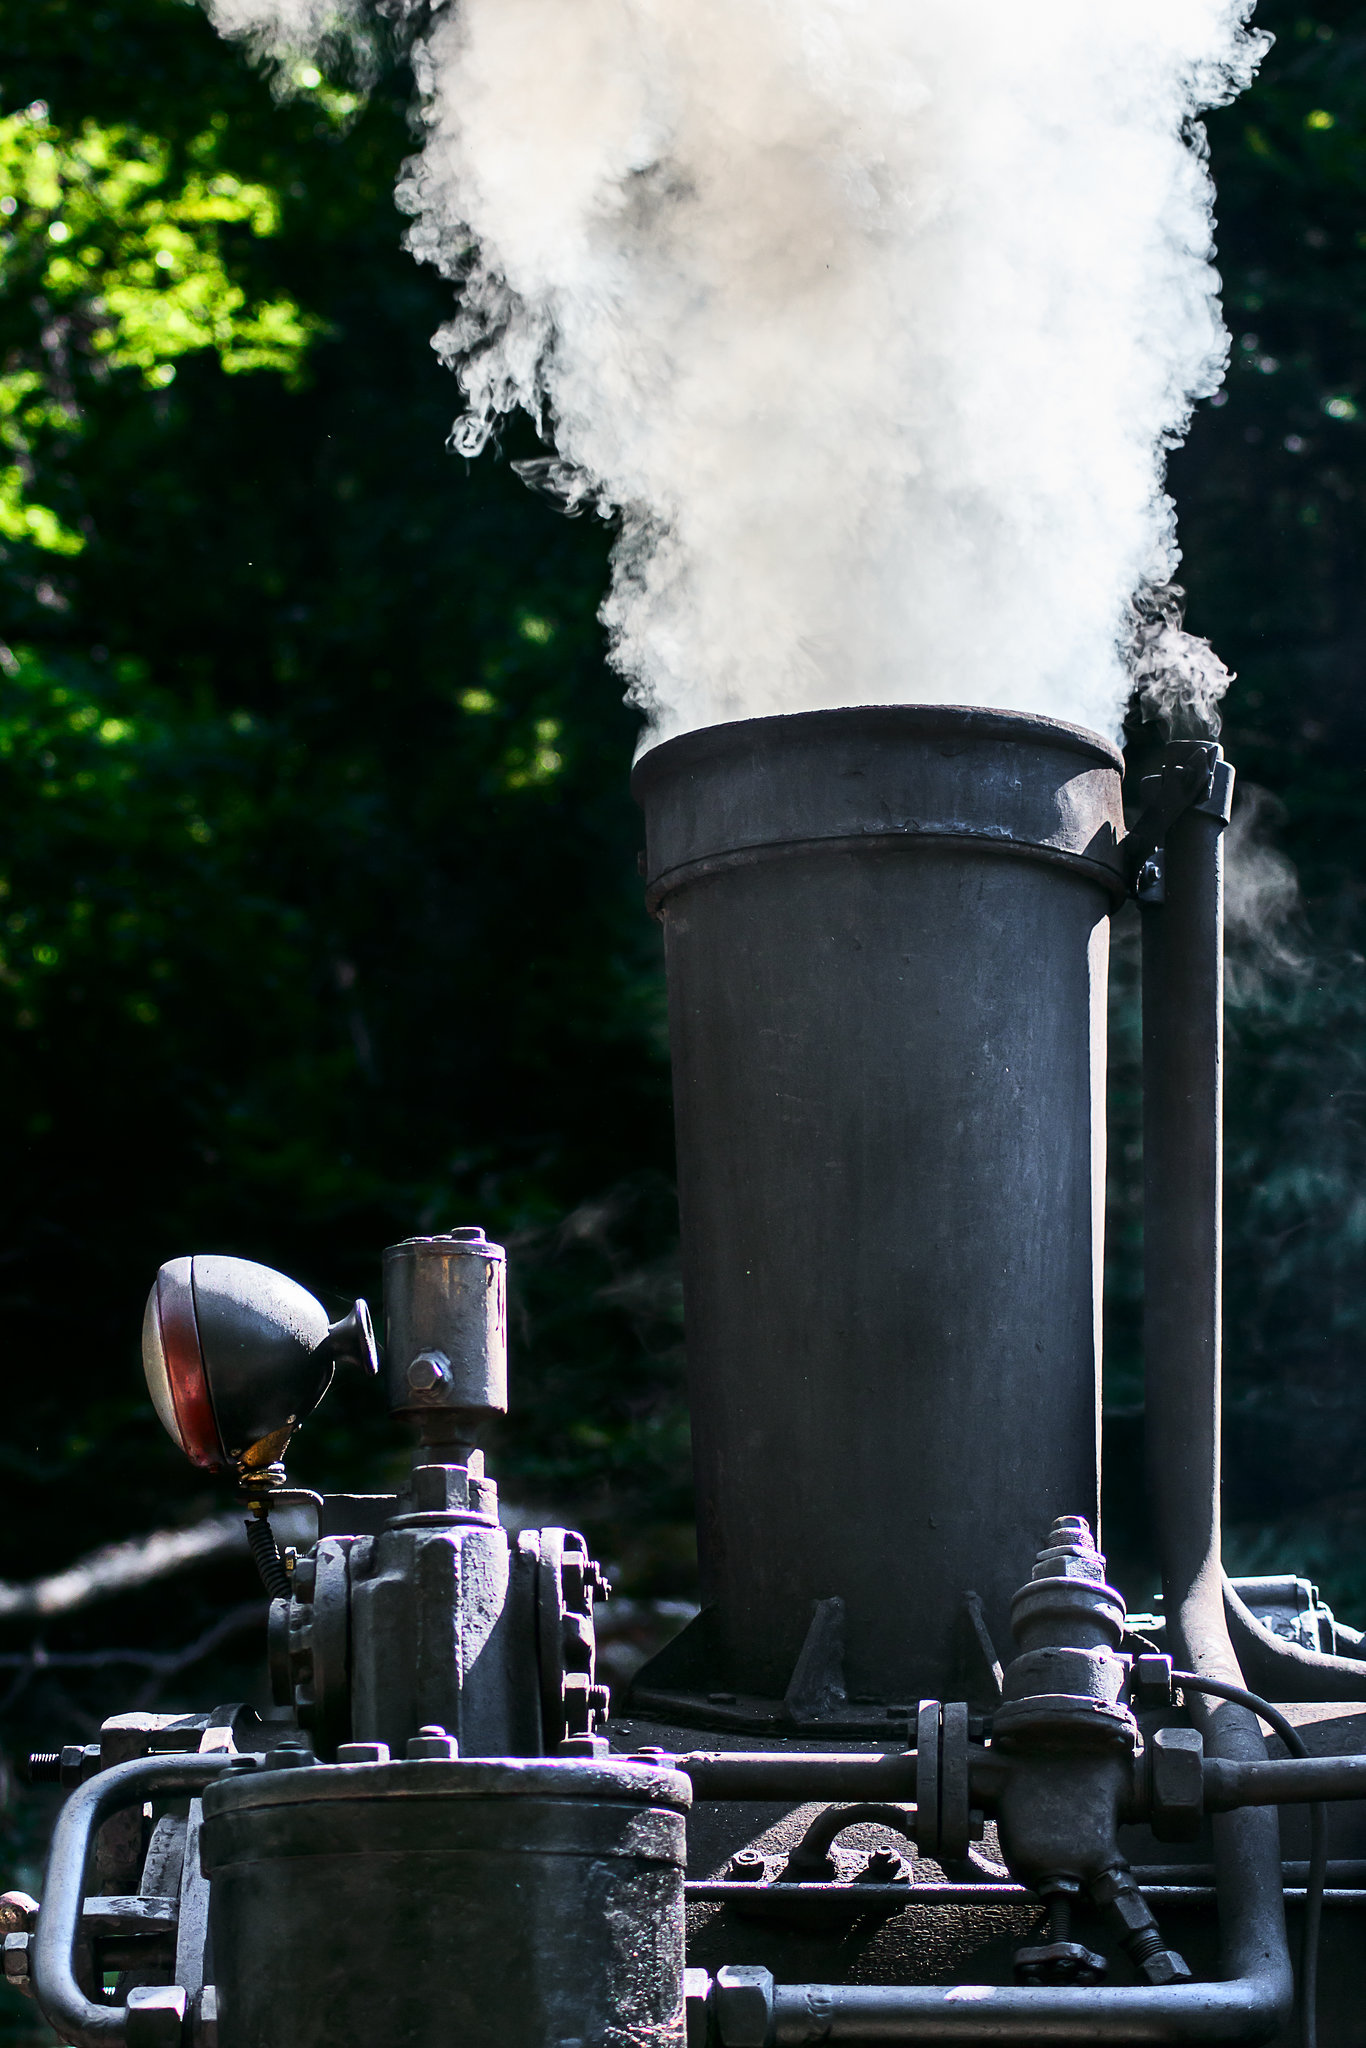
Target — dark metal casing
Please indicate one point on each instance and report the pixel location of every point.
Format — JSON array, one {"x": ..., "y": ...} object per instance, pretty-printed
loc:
[
  {"x": 421, "y": 1904},
  {"x": 445, "y": 1326},
  {"x": 234, "y": 1354},
  {"x": 886, "y": 935}
]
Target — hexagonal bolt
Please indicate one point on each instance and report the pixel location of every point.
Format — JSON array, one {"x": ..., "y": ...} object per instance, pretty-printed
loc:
[
  {"x": 742, "y": 2005},
  {"x": 696, "y": 1997},
  {"x": 748, "y": 1866},
  {"x": 1117, "y": 1891},
  {"x": 78, "y": 1762},
  {"x": 1150, "y": 1682},
  {"x": 577, "y": 1642},
  {"x": 590, "y": 1747},
  {"x": 574, "y": 1693},
  {"x": 291, "y": 1753},
  {"x": 1133, "y": 1914},
  {"x": 362, "y": 1753},
  {"x": 428, "y": 1371},
  {"x": 156, "y": 2016},
  {"x": 1148, "y": 883},
  {"x": 883, "y": 1866},
  {"x": 205, "y": 2018},
  {"x": 1165, "y": 1966},
  {"x": 432, "y": 1742},
  {"x": 574, "y": 1568},
  {"x": 1176, "y": 1783},
  {"x": 16, "y": 1963}
]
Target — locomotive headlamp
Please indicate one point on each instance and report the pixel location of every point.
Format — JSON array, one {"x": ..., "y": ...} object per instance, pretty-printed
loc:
[{"x": 236, "y": 1356}]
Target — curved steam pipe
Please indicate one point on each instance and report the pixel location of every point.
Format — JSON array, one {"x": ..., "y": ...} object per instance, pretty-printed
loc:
[
  {"x": 72, "y": 2016},
  {"x": 1288, "y": 1671}
]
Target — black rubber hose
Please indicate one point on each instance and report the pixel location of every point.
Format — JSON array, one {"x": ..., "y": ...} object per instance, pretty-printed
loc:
[
  {"x": 265, "y": 1553},
  {"x": 1318, "y": 1842}
]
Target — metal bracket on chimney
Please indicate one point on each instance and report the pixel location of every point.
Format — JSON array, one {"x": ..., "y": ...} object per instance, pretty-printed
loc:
[{"x": 1194, "y": 777}]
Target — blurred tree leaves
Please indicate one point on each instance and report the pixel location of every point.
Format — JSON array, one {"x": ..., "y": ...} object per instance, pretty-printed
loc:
[
  {"x": 322, "y": 922},
  {"x": 320, "y": 919},
  {"x": 1271, "y": 490},
  {"x": 115, "y": 254}
]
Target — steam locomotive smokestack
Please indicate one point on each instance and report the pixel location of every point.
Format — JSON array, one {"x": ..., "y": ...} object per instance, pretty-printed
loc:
[{"x": 886, "y": 933}]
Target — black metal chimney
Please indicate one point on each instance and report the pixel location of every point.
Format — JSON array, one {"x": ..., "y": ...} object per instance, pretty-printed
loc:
[{"x": 886, "y": 933}]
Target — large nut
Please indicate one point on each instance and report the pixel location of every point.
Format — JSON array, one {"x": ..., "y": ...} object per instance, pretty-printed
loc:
[
  {"x": 428, "y": 1371},
  {"x": 696, "y": 1993},
  {"x": 1150, "y": 1682},
  {"x": 79, "y": 1761},
  {"x": 1132, "y": 1912},
  {"x": 1176, "y": 1784},
  {"x": 1166, "y": 1967},
  {"x": 742, "y": 2003},
  {"x": 156, "y": 2016},
  {"x": 431, "y": 1744},
  {"x": 205, "y": 2021},
  {"x": 16, "y": 1963}
]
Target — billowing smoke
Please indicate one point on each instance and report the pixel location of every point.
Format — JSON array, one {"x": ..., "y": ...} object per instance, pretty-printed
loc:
[{"x": 870, "y": 321}]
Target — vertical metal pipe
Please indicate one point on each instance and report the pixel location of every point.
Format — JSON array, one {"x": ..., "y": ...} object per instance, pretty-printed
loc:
[
  {"x": 1183, "y": 1031},
  {"x": 886, "y": 934},
  {"x": 1183, "y": 1049},
  {"x": 1183, "y": 1023}
]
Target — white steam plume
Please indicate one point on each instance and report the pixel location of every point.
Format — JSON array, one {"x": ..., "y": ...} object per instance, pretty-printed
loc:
[{"x": 872, "y": 320}]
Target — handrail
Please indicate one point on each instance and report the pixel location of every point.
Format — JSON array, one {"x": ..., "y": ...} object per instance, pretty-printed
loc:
[{"x": 60, "y": 1998}]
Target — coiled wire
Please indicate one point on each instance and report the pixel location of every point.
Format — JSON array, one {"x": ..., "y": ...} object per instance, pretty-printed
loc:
[{"x": 265, "y": 1554}]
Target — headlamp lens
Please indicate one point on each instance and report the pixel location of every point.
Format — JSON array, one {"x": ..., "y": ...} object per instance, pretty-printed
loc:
[{"x": 173, "y": 1363}]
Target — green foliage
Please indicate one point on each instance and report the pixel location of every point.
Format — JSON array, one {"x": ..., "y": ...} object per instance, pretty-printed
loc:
[
  {"x": 321, "y": 921},
  {"x": 1272, "y": 496},
  {"x": 118, "y": 253}
]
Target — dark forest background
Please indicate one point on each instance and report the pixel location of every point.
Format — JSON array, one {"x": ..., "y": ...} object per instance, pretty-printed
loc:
[{"x": 319, "y": 914}]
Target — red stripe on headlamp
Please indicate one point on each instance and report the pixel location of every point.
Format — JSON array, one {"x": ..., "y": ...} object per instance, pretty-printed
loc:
[{"x": 182, "y": 1362}]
